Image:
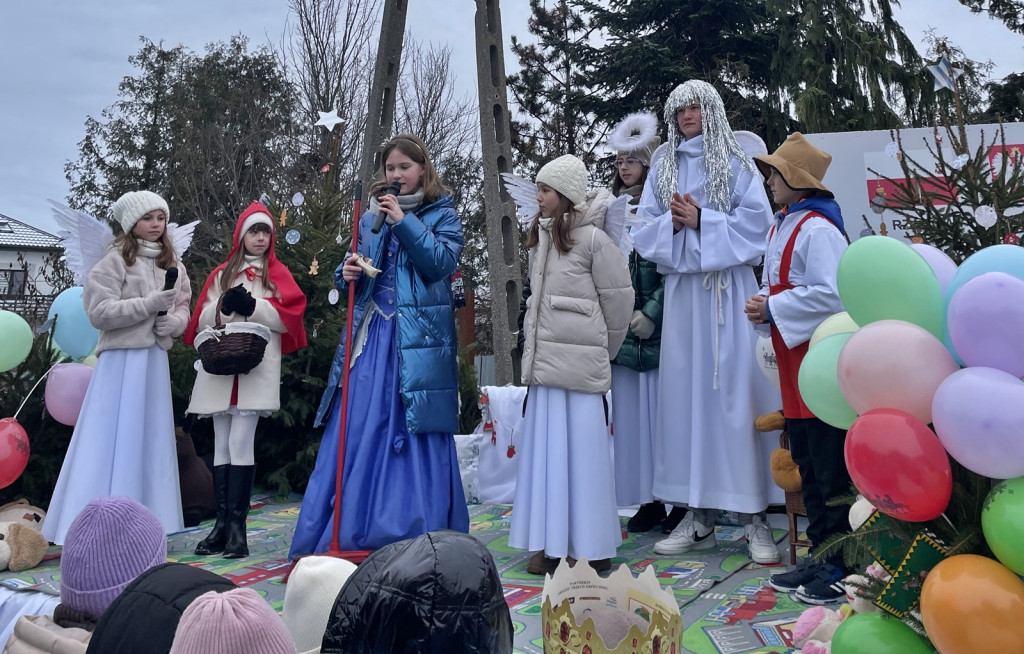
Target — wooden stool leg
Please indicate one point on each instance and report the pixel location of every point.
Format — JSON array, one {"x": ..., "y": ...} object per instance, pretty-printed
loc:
[{"x": 793, "y": 537}]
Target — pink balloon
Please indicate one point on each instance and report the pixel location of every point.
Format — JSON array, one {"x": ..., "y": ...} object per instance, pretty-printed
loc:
[
  {"x": 892, "y": 364},
  {"x": 65, "y": 390},
  {"x": 943, "y": 267}
]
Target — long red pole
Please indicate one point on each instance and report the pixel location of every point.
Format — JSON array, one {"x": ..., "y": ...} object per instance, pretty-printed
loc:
[{"x": 356, "y": 556}]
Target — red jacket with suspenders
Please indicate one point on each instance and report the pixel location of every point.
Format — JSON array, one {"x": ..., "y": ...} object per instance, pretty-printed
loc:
[{"x": 789, "y": 359}]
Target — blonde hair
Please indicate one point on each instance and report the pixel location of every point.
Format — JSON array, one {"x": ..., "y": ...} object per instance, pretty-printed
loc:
[
  {"x": 561, "y": 226},
  {"x": 413, "y": 147}
]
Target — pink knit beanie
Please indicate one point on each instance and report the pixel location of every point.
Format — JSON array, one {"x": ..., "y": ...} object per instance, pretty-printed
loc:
[
  {"x": 236, "y": 622},
  {"x": 110, "y": 543}
]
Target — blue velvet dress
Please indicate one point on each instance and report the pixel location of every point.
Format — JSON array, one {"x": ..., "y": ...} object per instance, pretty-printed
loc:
[{"x": 396, "y": 485}]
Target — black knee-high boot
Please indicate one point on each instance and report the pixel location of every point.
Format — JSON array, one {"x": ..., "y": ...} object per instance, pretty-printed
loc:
[
  {"x": 239, "y": 493},
  {"x": 214, "y": 542}
]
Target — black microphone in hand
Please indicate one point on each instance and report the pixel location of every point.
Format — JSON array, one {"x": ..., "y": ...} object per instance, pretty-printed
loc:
[
  {"x": 170, "y": 279},
  {"x": 378, "y": 221}
]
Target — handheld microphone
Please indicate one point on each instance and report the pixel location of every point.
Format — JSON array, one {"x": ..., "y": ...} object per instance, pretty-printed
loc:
[
  {"x": 378, "y": 221},
  {"x": 170, "y": 279}
]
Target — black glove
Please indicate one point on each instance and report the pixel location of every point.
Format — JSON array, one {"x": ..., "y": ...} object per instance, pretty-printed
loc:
[{"x": 238, "y": 300}]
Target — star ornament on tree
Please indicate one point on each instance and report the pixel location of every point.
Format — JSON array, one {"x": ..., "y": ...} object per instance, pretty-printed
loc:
[
  {"x": 329, "y": 119},
  {"x": 944, "y": 73}
]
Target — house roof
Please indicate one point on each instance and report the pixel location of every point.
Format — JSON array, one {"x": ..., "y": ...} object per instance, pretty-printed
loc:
[{"x": 15, "y": 234}]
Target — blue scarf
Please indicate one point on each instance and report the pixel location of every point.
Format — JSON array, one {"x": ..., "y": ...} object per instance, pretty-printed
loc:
[{"x": 825, "y": 206}]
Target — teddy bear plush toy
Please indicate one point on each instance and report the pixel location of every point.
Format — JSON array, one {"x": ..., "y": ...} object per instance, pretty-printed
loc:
[
  {"x": 21, "y": 547},
  {"x": 785, "y": 473}
]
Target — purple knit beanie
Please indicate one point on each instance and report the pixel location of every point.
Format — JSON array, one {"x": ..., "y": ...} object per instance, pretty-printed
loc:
[
  {"x": 110, "y": 543},
  {"x": 236, "y": 622}
]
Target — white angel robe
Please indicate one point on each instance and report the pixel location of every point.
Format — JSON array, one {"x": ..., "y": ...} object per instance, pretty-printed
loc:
[{"x": 707, "y": 453}]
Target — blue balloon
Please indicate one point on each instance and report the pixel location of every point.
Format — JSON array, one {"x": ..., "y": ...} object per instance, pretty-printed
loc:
[
  {"x": 1002, "y": 258},
  {"x": 72, "y": 331}
]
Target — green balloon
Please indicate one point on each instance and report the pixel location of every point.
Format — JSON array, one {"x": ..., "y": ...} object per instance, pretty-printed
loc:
[
  {"x": 1002, "y": 522},
  {"x": 819, "y": 382},
  {"x": 16, "y": 336},
  {"x": 877, "y": 633},
  {"x": 882, "y": 278}
]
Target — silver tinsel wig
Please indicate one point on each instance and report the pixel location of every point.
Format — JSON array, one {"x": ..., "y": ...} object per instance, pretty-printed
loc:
[{"x": 720, "y": 146}]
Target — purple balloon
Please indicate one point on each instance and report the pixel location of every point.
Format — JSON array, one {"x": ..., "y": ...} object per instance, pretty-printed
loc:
[
  {"x": 984, "y": 319},
  {"x": 978, "y": 413},
  {"x": 943, "y": 267}
]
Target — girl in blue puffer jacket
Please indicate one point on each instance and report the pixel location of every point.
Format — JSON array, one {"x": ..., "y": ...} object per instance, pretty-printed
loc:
[{"x": 401, "y": 476}]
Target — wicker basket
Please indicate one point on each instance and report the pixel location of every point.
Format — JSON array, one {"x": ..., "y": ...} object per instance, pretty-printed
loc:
[{"x": 232, "y": 349}]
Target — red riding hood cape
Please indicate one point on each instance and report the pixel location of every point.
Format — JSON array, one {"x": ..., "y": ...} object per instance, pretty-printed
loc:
[{"x": 289, "y": 301}]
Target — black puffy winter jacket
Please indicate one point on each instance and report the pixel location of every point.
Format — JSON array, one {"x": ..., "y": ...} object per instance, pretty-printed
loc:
[{"x": 438, "y": 593}]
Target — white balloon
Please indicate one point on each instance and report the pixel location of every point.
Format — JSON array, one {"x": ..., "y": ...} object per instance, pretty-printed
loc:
[
  {"x": 860, "y": 512},
  {"x": 767, "y": 362}
]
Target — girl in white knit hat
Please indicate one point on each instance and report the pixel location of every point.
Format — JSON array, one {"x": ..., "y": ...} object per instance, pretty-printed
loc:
[
  {"x": 576, "y": 320},
  {"x": 123, "y": 442}
]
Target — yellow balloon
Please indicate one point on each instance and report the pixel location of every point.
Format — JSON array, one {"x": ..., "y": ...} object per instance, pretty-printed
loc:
[
  {"x": 972, "y": 604},
  {"x": 90, "y": 360},
  {"x": 839, "y": 323}
]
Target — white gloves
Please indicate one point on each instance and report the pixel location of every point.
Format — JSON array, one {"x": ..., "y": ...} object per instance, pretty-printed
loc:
[
  {"x": 159, "y": 300},
  {"x": 641, "y": 326},
  {"x": 163, "y": 326}
]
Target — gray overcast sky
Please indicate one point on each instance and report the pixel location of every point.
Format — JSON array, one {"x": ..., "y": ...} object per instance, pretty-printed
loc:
[{"x": 62, "y": 60}]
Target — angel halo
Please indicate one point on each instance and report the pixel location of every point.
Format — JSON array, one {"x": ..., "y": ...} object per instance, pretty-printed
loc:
[
  {"x": 634, "y": 132},
  {"x": 86, "y": 238}
]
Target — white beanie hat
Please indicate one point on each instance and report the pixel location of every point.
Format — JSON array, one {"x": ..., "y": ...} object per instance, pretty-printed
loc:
[
  {"x": 309, "y": 597},
  {"x": 567, "y": 175},
  {"x": 133, "y": 205},
  {"x": 258, "y": 218}
]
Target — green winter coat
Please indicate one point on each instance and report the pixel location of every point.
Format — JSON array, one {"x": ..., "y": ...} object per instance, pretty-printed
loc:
[{"x": 643, "y": 355}]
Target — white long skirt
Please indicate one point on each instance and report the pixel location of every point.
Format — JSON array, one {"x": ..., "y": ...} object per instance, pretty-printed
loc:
[
  {"x": 635, "y": 402},
  {"x": 565, "y": 488},
  {"x": 123, "y": 443}
]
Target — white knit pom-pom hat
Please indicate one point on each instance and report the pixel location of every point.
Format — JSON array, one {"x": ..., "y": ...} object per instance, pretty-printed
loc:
[
  {"x": 133, "y": 205},
  {"x": 567, "y": 175}
]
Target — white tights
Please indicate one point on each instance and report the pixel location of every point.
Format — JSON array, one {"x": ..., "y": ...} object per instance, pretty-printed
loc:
[{"x": 233, "y": 439}]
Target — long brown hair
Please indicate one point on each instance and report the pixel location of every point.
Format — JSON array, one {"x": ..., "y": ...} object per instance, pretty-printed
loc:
[
  {"x": 129, "y": 248},
  {"x": 236, "y": 262},
  {"x": 413, "y": 147},
  {"x": 618, "y": 185},
  {"x": 561, "y": 227}
]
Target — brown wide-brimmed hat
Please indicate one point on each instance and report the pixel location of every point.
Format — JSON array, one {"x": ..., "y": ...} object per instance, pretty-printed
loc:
[{"x": 801, "y": 165}]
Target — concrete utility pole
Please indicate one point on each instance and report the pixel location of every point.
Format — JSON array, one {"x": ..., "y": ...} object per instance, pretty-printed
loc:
[
  {"x": 502, "y": 227},
  {"x": 381, "y": 117}
]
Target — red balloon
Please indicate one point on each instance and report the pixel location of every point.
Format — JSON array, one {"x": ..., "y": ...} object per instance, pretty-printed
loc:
[
  {"x": 899, "y": 465},
  {"x": 13, "y": 451}
]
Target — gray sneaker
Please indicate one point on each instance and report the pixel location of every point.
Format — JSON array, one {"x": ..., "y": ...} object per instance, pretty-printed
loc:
[
  {"x": 688, "y": 536},
  {"x": 760, "y": 543}
]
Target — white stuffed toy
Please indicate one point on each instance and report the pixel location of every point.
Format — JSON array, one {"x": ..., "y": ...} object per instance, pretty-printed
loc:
[{"x": 21, "y": 547}]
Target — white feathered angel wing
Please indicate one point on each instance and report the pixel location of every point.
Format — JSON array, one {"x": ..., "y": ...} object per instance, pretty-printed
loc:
[
  {"x": 615, "y": 222},
  {"x": 751, "y": 143},
  {"x": 181, "y": 236},
  {"x": 524, "y": 193},
  {"x": 85, "y": 239}
]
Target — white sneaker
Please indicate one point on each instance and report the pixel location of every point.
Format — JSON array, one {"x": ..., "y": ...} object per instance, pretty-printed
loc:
[
  {"x": 688, "y": 536},
  {"x": 760, "y": 543}
]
